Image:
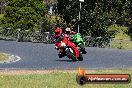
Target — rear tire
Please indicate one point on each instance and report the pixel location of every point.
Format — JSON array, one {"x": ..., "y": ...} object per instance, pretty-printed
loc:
[
  {"x": 70, "y": 55},
  {"x": 80, "y": 57},
  {"x": 82, "y": 49}
]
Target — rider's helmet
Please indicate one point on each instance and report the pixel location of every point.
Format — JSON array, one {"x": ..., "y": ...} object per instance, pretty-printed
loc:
[
  {"x": 67, "y": 30},
  {"x": 58, "y": 32}
]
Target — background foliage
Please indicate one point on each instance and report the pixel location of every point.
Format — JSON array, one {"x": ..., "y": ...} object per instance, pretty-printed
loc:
[
  {"x": 24, "y": 14},
  {"x": 99, "y": 18},
  {"x": 96, "y": 15}
]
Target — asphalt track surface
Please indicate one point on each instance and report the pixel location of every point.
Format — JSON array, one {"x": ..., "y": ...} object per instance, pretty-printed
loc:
[{"x": 44, "y": 56}]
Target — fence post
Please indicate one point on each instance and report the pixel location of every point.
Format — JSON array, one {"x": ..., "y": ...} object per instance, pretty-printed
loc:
[
  {"x": 18, "y": 35},
  {"x": 110, "y": 43}
]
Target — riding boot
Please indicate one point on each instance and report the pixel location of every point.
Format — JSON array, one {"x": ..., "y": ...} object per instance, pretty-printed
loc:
[{"x": 61, "y": 54}]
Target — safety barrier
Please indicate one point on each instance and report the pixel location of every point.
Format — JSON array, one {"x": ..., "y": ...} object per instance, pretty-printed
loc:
[
  {"x": 47, "y": 37},
  {"x": 25, "y": 36}
]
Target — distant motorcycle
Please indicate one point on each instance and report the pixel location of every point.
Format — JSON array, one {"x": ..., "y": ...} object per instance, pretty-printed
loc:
[
  {"x": 78, "y": 40},
  {"x": 69, "y": 49}
]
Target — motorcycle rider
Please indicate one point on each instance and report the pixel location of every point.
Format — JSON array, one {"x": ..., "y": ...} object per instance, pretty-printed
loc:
[
  {"x": 68, "y": 34},
  {"x": 58, "y": 37}
]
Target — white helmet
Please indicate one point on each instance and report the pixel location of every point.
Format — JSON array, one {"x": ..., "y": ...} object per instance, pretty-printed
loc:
[{"x": 67, "y": 29}]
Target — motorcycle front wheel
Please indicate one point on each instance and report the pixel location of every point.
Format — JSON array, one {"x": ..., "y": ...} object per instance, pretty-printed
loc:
[{"x": 71, "y": 54}]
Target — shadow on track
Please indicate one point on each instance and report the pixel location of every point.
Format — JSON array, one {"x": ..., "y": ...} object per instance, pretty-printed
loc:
[{"x": 66, "y": 60}]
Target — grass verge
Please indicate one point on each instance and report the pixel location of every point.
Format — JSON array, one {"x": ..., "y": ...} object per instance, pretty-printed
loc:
[
  {"x": 122, "y": 44},
  {"x": 3, "y": 57},
  {"x": 56, "y": 79},
  {"x": 122, "y": 41}
]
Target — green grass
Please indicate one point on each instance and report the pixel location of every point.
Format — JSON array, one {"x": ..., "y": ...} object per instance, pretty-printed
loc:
[
  {"x": 3, "y": 57},
  {"x": 122, "y": 41},
  {"x": 56, "y": 80},
  {"x": 122, "y": 44}
]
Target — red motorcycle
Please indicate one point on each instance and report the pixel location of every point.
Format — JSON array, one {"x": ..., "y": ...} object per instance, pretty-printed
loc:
[{"x": 69, "y": 49}]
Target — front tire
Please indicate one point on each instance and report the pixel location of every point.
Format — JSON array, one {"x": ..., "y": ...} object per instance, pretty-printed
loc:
[{"x": 71, "y": 55}]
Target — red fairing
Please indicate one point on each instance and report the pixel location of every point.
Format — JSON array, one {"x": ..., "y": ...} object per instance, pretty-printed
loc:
[
  {"x": 74, "y": 47},
  {"x": 70, "y": 44}
]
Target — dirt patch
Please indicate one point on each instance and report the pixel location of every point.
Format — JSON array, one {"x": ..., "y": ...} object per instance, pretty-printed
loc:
[{"x": 27, "y": 72}]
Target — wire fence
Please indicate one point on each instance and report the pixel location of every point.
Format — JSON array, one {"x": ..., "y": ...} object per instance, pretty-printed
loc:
[
  {"x": 25, "y": 36},
  {"x": 97, "y": 41},
  {"x": 47, "y": 38}
]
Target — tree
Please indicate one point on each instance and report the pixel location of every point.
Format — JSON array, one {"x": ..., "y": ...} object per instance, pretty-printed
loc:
[
  {"x": 24, "y": 14},
  {"x": 96, "y": 15}
]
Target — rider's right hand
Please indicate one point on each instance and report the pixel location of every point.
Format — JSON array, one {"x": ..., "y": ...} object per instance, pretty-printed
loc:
[{"x": 56, "y": 48}]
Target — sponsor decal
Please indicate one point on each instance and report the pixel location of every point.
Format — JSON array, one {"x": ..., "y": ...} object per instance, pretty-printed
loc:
[{"x": 83, "y": 78}]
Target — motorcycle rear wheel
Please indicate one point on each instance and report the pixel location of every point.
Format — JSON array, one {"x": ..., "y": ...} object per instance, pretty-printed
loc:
[
  {"x": 82, "y": 49},
  {"x": 80, "y": 57}
]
